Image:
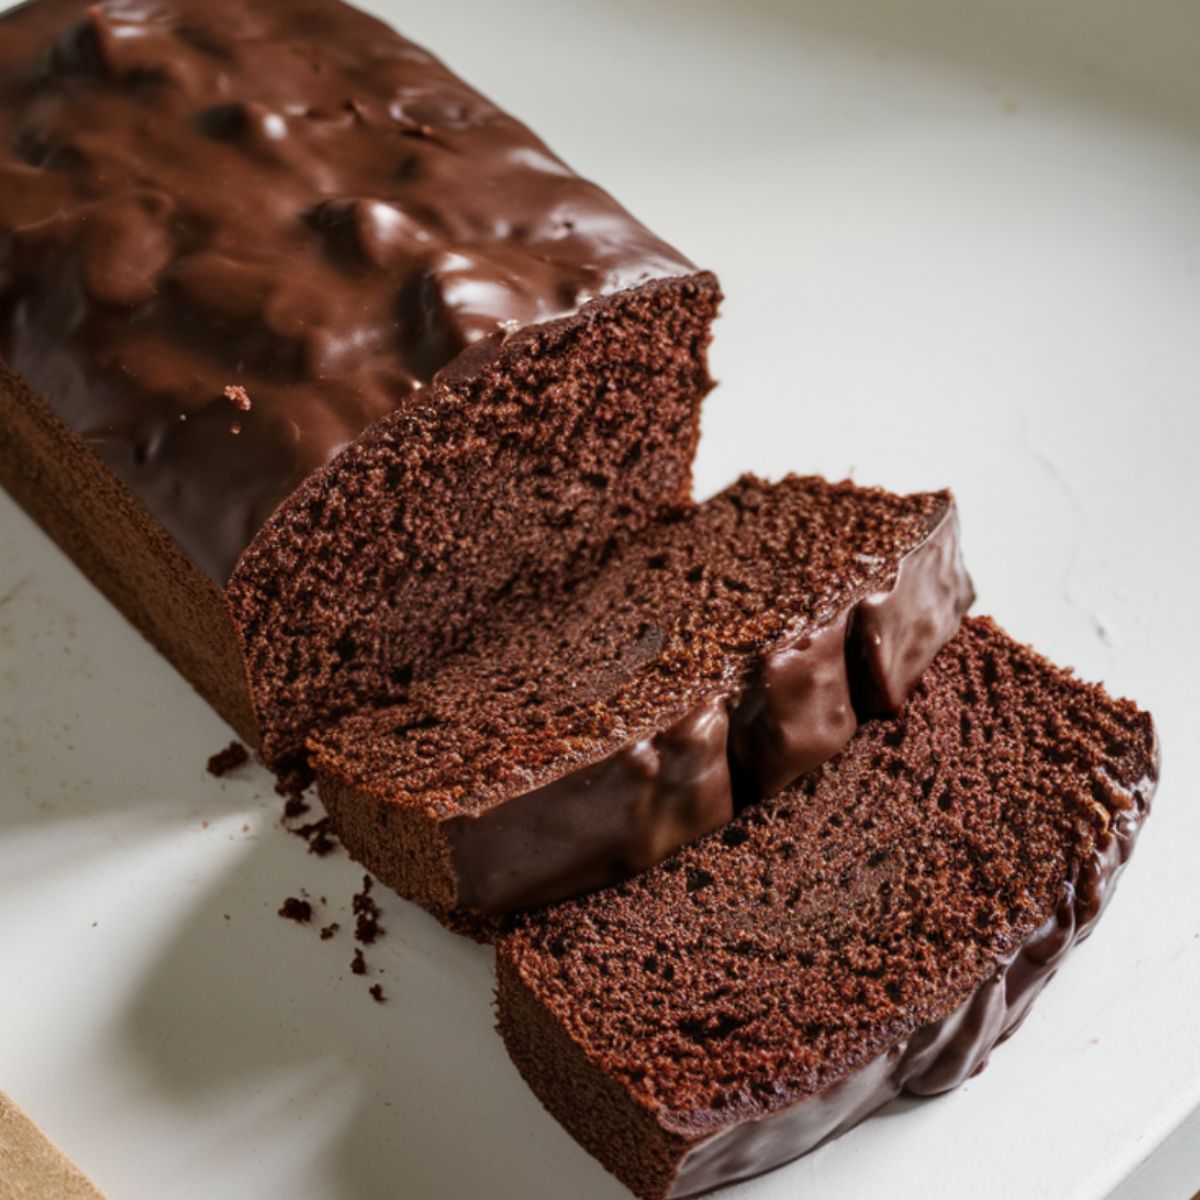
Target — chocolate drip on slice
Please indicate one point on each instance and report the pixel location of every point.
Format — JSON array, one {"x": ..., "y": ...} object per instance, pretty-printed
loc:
[{"x": 601, "y": 824}]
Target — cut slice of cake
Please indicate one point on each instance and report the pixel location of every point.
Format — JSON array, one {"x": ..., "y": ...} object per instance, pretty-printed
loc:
[
  {"x": 583, "y": 740},
  {"x": 876, "y": 928}
]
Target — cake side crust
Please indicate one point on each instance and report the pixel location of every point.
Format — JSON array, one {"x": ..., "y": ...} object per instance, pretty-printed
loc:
[{"x": 122, "y": 549}]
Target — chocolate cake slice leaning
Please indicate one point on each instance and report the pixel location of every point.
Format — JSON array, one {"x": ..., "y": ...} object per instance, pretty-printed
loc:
[
  {"x": 586, "y": 737},
  {"x": 309, "y": 352},
  {"x": 876, "y": 928}
]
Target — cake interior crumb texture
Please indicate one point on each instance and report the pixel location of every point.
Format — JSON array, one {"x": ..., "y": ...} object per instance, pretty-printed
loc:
[
  {"x": 779, "y": 958},
  {"x": 515, "y": 484},
  {"x": 676, "y": 616}
]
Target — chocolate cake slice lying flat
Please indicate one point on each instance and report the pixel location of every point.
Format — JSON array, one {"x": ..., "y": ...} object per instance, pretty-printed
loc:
[
  {"x": 583, "y": 740},
  {"x": 876, "y": 928},
  {"x": 308, "y": 352}
]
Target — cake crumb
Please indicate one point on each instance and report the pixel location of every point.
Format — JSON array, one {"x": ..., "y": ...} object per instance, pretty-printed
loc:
[
  {"x": 233, "y": 756},
  {"x": 358, "y": 964},
  {"x": 238, "y": 397},
  {"x": 366, "y": 928},
  {"x": 377, "y": 993},
  {"x": 319, "y": 836},
  {"x": 329, "y": 931},
  {"x": 296, "y": 910},
  {"x": 295, "y": 807}
]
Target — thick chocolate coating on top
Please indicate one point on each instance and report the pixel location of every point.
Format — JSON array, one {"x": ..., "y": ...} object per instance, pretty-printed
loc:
[{"x": 209, "y": 202}]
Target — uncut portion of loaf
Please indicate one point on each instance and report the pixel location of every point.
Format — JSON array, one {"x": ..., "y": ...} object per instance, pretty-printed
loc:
[
  {"x": 878, "y": 927},
  {"x": 309, "y": 351},
  {"x": 584, "y": 738}
]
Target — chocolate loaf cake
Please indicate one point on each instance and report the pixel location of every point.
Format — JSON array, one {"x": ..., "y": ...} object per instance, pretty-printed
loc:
[
  {"x": 582, "y": 740},
  {"x": 876, "y": 928},
  {"x": 310, "y": 353}
]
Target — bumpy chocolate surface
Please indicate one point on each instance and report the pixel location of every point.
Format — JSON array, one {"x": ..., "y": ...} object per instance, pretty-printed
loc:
[{"x": 234, "y": 233}]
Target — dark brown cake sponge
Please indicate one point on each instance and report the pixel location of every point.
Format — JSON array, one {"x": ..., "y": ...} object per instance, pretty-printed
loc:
[{"x": 877, "y": 927}]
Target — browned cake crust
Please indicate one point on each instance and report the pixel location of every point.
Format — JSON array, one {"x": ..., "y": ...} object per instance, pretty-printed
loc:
[
  {"x": 127, "y": 554},
  {"x": 313, "y": 353},
  {"x": 585, "y": 737},
  {"x": 878, "y": 927}
]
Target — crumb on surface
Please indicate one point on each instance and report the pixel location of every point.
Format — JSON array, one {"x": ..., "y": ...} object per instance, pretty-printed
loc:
[
  {"x": 319, "y": 836},
  {"x": 377, "y": 993},
  {"x": 297, "y": 910},
  {"x": 295, "y": 807},
  {"x": 358, "y": 964},
  {"x": 234, "y": 755},
  {"x": 366, "y": 926},
  {"x": 329, "y": 931}
]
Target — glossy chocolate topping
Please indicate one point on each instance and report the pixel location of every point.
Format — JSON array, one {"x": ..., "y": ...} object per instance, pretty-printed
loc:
[
  {"x": 939, "y": 1056},
  {"x": 897, "y": 631},
  {"x": 600, "y": 824},
  {"x": 802, "y": 708},
  {"x": 234, "y": 233},
  {"x": 798, "y": 712}
]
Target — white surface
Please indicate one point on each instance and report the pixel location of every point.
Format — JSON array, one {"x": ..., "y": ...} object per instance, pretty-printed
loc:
[{"x": 961, "y": 245}]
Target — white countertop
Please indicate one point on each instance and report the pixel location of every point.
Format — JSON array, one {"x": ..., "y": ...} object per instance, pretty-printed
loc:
[{"x": 961, "y": 245}]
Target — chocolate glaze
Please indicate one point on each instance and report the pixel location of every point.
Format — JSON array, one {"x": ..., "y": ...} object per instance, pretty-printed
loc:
[
  {"x": 609, "y": 820},
  {"x": 637, "y": 806},
  {"x": 867, "y": 659},
  {"x": 278, "y": 196},
  {"x": 896, "y": 632},
  {"x": 939, "y": 1056},
  {"x": 798, "y": 711}
]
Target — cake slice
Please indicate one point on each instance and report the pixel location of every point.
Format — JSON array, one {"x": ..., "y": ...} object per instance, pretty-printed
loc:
[
  {"x": 309, "y": 353},
  {"x": 582, "y": 740},
  {"x": 876, "y": 928}
]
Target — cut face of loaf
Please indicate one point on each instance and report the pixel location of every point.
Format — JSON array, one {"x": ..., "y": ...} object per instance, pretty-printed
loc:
[
  {"x": 877, "y": 927},
  {"x": 722, "y": 653},
  {"x": 309, "y": 352}
]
